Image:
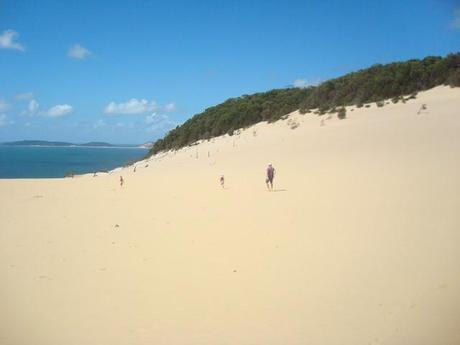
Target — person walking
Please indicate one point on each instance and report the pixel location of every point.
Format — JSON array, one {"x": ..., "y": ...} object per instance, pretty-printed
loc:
[{"x": 270, "y": 176}]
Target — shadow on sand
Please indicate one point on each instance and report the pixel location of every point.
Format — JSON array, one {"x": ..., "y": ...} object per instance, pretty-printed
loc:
[{"x": 279, "y": 190}]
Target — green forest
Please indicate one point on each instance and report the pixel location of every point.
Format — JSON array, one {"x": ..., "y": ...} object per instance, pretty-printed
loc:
[{"x": 372, "y": 84}]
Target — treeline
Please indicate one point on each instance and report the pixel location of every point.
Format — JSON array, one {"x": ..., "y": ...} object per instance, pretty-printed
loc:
[{"x": 368, "y": 85}]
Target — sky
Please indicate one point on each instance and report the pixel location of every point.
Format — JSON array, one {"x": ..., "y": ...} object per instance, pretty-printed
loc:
[{"x": 129, "y": 71}]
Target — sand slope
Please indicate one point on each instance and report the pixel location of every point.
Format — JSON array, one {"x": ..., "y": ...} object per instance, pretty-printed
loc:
[{"x": 358, "y": 244}]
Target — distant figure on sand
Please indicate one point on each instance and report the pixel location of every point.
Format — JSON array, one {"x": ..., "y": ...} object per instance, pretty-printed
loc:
[
  {"x": 270, "y": 176},
  {"x": 222, "y": 181},
  {"x": 121, "y": 181}
]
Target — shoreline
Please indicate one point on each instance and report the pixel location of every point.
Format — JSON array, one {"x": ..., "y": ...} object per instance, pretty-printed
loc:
[{"x": 79, "y": 146}]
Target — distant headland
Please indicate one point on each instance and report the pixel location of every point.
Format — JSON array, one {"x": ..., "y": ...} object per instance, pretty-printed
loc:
[{"x": 67, "y": 144}]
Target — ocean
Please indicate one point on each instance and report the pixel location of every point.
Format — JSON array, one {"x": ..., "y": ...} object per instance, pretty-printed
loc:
[{"x": 41, "y": 162}]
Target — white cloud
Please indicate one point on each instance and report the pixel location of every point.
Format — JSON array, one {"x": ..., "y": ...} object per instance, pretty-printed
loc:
[
  {"x": 24, "y": 96},
  {"x": 133, "y": 106},
  {"x": 3, "y": 105},
  {"x": 78, "y": 52},
  {"x": 303, "y": 83},
  {"x": 170, "y": 107},
  {"x": 7, "y": 40},
  {"x": 58, "y": 110},
  {"x": 456, "y": 21},
  {"x": 33, "y": 107}
]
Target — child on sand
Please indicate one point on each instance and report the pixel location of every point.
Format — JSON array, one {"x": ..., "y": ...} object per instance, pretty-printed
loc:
[
  {"x": 121, "y": 181},
  {"x": 270, "y": 176}
]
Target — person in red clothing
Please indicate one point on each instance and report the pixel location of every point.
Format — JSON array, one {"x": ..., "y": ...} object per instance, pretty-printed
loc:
[{"x": 270, "y": 176}]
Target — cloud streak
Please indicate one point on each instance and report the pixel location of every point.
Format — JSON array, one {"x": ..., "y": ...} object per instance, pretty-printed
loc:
[
  {"x": 58, "y": 110},
  {"x": 133, "y": 106},
  {"x": 8, "y": 40},
  {"x": 78, "y": 52},
  {"x": 24, "y": 96}
]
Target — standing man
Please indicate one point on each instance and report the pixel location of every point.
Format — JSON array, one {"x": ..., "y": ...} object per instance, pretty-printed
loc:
[{"x": 270, "y": 176}]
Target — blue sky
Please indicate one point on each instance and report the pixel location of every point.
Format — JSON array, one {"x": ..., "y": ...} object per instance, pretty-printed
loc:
[{"x": 128, "y": 71}]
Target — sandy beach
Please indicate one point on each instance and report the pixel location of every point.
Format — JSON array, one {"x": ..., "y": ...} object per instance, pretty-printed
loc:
[{"x": 358, "y": 243}]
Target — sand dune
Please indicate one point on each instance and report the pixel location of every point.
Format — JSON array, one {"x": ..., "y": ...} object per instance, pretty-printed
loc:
[{"x": 358, "y": 244}]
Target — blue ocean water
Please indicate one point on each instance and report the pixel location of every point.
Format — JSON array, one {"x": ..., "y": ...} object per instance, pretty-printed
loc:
[{"x": 35, "y": 162}]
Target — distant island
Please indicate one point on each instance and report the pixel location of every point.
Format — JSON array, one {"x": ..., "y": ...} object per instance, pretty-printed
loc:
[{"x": 66, "y": 144}]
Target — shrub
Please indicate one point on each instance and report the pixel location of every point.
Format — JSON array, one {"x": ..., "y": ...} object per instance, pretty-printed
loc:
[
  {"x": 323, "y": 109},
  {"x": 367, "y": 105},
  {"x": 413, "y": 95},
  {"x": 293, "y": 124},
  {"x": 342, "y": 113},
  {"x": 380, "y": 104},
  {"x": 454, "y": 79},
  {"x": 396, "y": 99}
]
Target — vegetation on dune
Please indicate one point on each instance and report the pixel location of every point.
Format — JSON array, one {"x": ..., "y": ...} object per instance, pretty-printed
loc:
[
  {"x": 342, "y": 113},
  {"x": 369, "y": 85}
]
